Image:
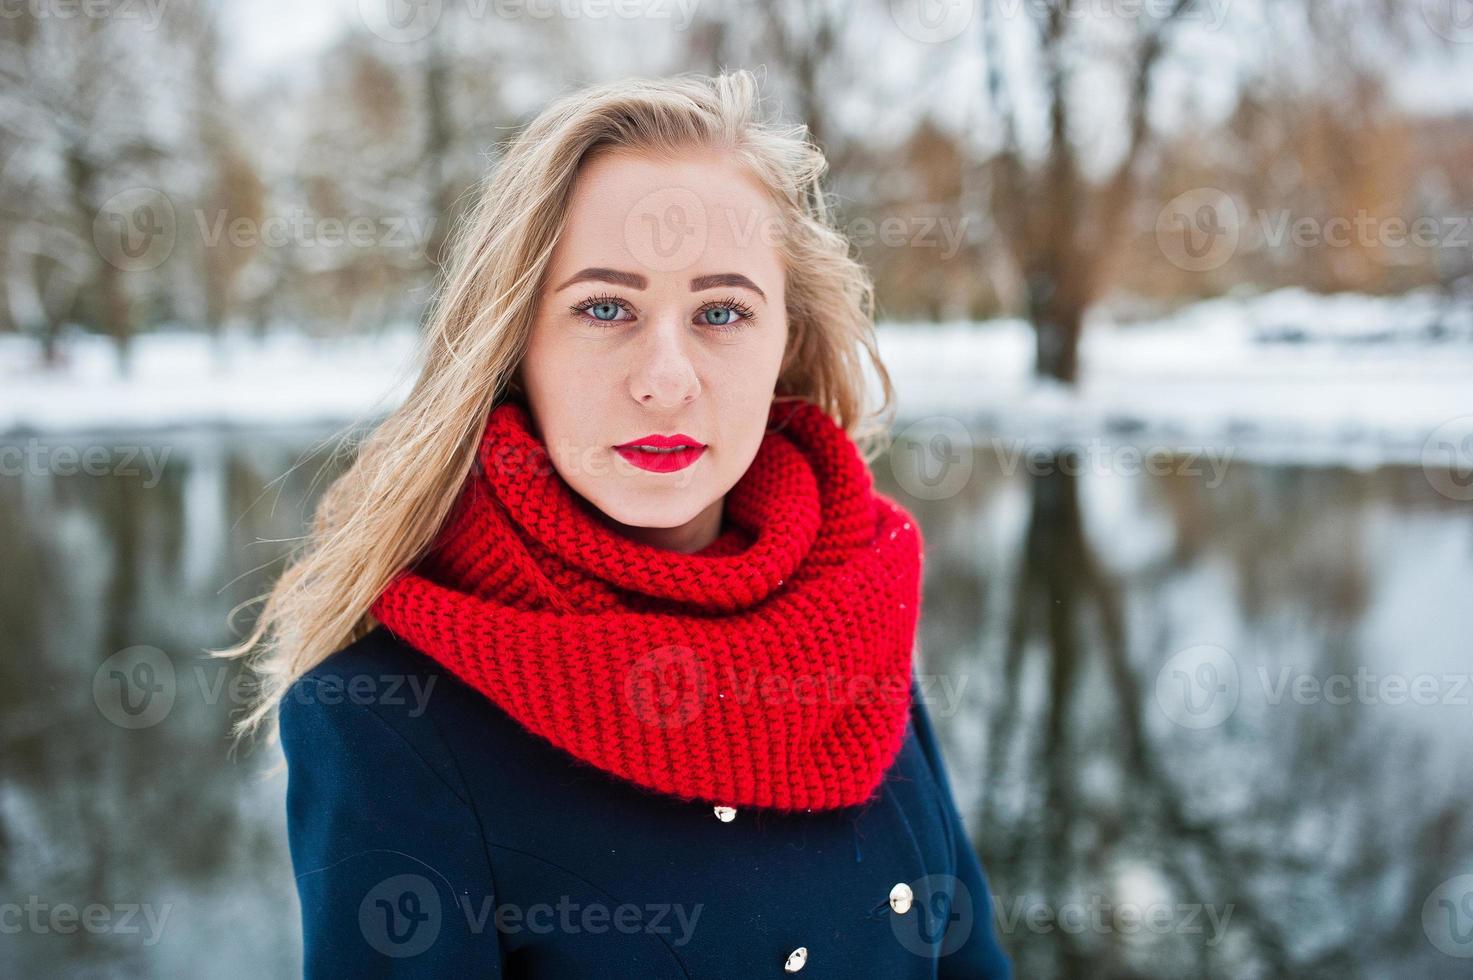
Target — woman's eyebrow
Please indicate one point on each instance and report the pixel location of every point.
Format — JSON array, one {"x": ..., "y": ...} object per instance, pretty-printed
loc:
[
  {"x": 725, "y": 279},
  {"x": 636, "y": 281},
  {"x": 631, "y": 279}
]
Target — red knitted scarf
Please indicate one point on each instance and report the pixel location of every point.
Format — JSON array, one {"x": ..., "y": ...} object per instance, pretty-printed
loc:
[{"x": 770, "y": 669}]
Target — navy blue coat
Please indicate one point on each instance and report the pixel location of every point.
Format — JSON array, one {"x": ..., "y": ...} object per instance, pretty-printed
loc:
[{"x": 433, "y": 836}]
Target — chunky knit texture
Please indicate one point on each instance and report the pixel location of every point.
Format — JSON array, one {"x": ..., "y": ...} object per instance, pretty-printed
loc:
[{"x": 770, "y": 669}]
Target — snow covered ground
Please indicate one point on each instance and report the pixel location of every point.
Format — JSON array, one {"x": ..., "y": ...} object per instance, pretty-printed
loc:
[
  {"x": 184, "y": 379},
  {"x": 1285, "y": 375},
  {"x": 1282, "y": 376}
]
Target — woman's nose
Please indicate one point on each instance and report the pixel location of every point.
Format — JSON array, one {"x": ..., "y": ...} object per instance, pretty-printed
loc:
[{"x": 663, "y": 375}]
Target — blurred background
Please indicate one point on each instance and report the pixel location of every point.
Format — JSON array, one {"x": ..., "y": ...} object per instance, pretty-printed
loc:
[{"x": 1178, "y": 300}]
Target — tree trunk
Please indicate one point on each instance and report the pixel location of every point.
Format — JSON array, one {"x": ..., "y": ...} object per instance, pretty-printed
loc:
[
  {"x": 1058, "y": 347},
  {"x": 1057, "y": 324}
]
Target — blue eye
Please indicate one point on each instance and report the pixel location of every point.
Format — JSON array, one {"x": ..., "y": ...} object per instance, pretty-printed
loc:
[
  {"x": 601, "y": 309},
  {"x": 729, "y": 314}
]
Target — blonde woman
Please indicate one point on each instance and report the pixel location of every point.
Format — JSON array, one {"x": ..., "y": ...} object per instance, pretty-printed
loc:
[{"x": 599, "y": 661}]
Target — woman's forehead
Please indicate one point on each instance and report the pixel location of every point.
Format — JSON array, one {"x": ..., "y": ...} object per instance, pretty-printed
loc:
[{"x": 668, "y": 215}]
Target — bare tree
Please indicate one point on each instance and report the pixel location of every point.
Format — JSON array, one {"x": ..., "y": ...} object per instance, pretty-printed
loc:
[
  {"x": 80, "y": 118},
  {"x": 1059, "y": 226}
]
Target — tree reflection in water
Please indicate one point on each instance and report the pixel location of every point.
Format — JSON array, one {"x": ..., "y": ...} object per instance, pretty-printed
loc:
[{"x": 1294, "y": 835}]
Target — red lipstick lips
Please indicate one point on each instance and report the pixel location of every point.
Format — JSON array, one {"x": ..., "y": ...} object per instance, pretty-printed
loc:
[{"x": 662, "y": 454}]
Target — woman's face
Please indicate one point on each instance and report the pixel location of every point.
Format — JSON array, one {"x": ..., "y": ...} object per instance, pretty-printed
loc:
[{"x": 662, "y": 315}]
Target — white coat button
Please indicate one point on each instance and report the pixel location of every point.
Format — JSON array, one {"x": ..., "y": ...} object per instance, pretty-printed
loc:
[
  {"x": 796, "y": 959},
  {"x": 726, "y": 814},
  {"x": 901, "y": 897}
]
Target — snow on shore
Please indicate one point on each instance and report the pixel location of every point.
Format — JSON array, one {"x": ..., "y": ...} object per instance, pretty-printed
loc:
[
  {"x": 185, "y": 379},
  {"x": 1283, "y": 376}
]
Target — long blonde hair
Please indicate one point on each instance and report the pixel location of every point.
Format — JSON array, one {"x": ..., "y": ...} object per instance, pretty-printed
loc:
[{"x": 384, "y": 510}]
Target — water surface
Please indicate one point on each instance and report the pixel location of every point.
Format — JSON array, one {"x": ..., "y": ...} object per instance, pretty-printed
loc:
[{"x": 1201, "y": 721}]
